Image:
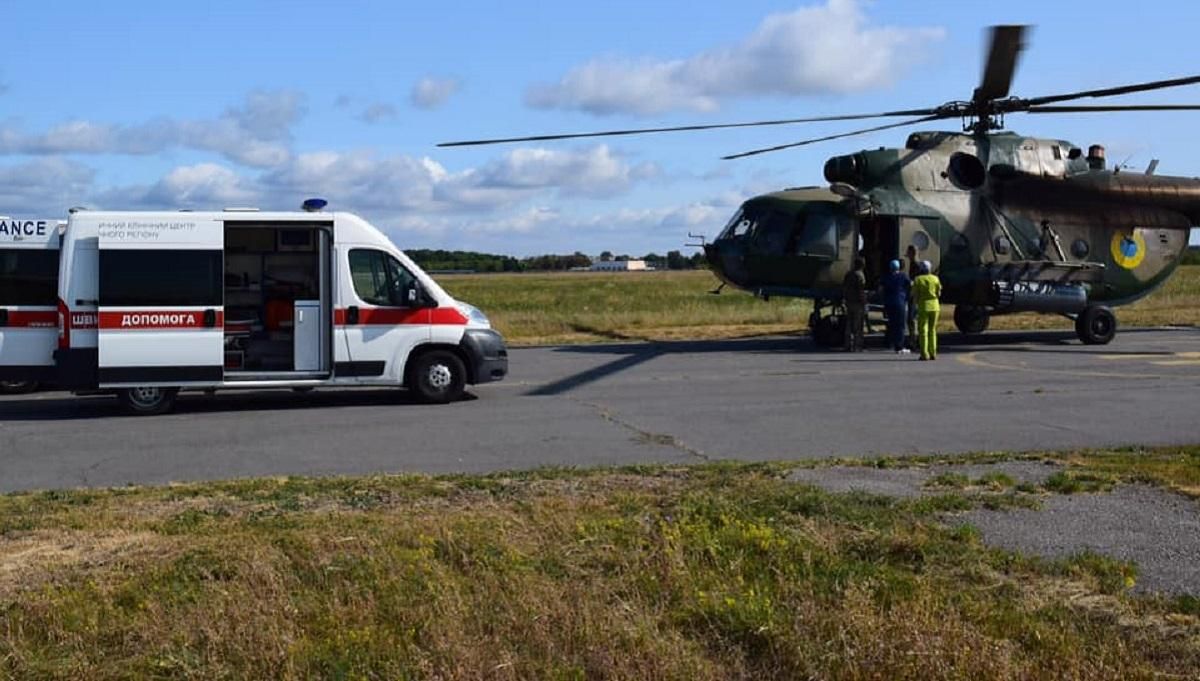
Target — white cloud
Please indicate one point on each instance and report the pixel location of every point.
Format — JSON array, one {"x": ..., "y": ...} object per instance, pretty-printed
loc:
[
  {"x": 595, "y": 172},
  {"x": 827, "y": 48},
  {"x": 378, "y": 113},
  {"x": 431, "y": 92},
  {"x": 44, "y": 186},
  {"x": 256, "y": 134}
]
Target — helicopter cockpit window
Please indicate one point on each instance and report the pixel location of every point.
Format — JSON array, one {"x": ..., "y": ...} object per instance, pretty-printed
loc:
[
  {"x": 739, "y": 226},
  {"x": 772, "y": 231},
  {"x": 817, "y": 232}
]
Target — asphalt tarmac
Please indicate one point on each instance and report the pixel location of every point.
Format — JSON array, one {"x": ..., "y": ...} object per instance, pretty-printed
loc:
[{"x": 773, "y": 398}]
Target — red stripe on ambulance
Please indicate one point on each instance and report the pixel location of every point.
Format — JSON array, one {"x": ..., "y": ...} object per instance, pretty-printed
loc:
[
  {"x": 391, "y": 316},
  {"x": 29, "y": 319}
]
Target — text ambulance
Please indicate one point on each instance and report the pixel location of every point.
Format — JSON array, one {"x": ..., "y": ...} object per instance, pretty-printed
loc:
[
  {"x": 151, "y": 303},
  {"x": 28, "y": 295}
]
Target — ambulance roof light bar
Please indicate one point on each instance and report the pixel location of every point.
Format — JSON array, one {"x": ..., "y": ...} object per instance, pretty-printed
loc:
[{"x": 314, "y": 205}]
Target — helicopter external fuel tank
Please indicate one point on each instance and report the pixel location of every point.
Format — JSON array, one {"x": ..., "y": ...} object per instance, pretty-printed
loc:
[{"x": 1041, "y": 297}]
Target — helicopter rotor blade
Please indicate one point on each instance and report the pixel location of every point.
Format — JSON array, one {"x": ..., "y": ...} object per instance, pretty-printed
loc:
[
  {"x": 1006, "y": 46},
  {"x": 864, "y": 131},
  {"x": 681, "y": 128},
  {"x": 1113, "y": 107},
  {"x": 1112, "y": 91}
]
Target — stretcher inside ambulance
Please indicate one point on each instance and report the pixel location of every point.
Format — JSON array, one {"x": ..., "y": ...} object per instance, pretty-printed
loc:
[{"x": 157, "y": 302}]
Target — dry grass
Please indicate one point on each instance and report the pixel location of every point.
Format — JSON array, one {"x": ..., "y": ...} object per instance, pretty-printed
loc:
[
  {"x": 589, "y": 307},
  {"x": 714, "y": 572}
]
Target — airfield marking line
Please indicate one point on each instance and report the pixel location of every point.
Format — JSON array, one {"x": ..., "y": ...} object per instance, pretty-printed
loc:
[
  {"x": 972, "y": 359},
  {"x": 1192, "y": 356}
]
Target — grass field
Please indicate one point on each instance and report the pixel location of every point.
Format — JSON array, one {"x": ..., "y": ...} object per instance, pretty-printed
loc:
[
  {"x": 588, "y": 307},
  {"x": 714, "y": 572}
]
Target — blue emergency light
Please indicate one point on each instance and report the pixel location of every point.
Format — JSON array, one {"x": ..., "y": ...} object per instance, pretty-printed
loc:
[{"x": 314, "y": 205}]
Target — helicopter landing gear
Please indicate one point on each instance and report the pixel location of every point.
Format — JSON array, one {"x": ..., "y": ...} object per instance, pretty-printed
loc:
[
  {"x": 970, "y": 319},
  {"x": 828, "y": 331},
  {"x": 1096, "y": 325}
]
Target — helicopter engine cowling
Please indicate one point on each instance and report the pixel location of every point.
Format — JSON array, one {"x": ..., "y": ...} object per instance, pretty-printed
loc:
[{"x": 849, "y": 169}]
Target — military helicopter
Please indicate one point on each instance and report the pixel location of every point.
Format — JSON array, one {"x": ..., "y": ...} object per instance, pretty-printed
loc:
[{"x": 1010, "y": 223}]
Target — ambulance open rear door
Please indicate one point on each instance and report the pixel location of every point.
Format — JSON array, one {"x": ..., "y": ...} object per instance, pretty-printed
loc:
[
  {"x": 161, "y": 301},
  {"x": 28, "y": 300}
]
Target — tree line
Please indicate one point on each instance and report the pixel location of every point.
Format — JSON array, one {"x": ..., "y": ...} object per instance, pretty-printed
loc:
[{"x": 441, "y": 260}]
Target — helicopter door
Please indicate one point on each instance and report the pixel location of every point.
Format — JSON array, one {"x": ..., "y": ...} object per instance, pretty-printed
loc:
[
  {"x": 915, "y": 233},
  {"x": 879, "y": 239}
]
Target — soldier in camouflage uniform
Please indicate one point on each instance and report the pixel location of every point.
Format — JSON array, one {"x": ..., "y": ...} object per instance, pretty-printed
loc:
[{"x": 854, "y": 293}]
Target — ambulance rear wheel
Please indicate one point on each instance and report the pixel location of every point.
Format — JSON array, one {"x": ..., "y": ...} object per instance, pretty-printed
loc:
[
  {"x": 146, "y": 400},
  {"x": 17, "y": 387},
  {"x": 437, "y": 376}
]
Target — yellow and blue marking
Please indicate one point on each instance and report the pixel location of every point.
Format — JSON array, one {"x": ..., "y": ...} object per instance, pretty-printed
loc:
[{"x": 1128, "y": 249}]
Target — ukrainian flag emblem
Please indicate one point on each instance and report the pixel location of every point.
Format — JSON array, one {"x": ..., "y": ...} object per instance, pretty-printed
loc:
[{"x": 1128, "y": 249}]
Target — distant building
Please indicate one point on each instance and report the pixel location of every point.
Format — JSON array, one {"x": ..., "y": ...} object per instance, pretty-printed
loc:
[{"x": 620, "y": 266}]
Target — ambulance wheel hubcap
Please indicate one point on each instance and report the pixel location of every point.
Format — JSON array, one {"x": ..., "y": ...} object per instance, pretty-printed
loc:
[
  {"x": 440, "y": 376},
  {"x": 145, "y": 396}
]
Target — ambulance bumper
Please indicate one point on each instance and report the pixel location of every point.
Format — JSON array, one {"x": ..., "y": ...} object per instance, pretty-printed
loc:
[
  {"x": 488, "y": 355},
  {"x": 27, "y": 374}
]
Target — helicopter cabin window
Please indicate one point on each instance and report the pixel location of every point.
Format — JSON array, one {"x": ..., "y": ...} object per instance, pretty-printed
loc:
[{"x": 817, "y": 233}]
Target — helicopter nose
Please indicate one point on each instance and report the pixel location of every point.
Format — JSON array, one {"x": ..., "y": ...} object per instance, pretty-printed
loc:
[{"x": 725, "y": 259}]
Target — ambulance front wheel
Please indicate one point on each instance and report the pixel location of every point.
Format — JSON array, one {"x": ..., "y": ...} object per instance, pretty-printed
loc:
[
  {"x": 147, "y": 401},
  {"x": 437, "y": 376}
]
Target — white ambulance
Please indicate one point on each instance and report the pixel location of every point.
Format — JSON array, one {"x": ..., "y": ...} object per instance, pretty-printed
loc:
[
  {"x": 28, "y": 297},
  {"x": 152, "y": 303}
]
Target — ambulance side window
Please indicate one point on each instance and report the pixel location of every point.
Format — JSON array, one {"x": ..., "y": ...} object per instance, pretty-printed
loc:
[
  {"x": 28, "y": 277},
  {"x": 379, "y": 279},
  {"x": 167, "y": 278}
]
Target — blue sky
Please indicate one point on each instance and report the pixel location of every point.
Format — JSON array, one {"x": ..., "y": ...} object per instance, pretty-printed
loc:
[{"x": 145, "y": 105}]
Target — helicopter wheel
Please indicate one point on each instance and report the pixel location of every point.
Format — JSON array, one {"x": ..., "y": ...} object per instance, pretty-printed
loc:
[
  {"x": 829, "y": 332},
  {"x": 970, "y": 319},
  {"x": 1096, "y": 325}
]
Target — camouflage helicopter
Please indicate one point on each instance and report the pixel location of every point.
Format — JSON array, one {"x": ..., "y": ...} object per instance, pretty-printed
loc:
[{"x": 1010, "y": 223}]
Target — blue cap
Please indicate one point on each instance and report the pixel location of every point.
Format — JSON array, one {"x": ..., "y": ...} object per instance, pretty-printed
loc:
[{"x": 895, "y": 265}]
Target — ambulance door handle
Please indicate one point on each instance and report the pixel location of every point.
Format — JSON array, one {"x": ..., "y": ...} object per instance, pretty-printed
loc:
[
  {"x": 210, "y": 318},
  {"x": 352, "y": 314}
]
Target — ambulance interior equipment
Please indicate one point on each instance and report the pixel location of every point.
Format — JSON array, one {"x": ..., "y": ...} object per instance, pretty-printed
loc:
[{"x": 273, "y": 287}]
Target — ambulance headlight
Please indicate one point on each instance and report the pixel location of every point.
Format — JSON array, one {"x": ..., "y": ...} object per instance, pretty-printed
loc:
[{"x": 474, "y": 314}]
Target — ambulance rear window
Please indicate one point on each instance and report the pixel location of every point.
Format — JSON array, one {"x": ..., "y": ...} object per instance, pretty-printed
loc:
[
  {"x": 28, "y": 277},
  {"x": 133, "y": 278}
]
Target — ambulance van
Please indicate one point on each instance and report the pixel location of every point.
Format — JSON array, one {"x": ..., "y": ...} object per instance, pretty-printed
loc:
[
  {"x": 153, "y": 303},
  {"x": 28, "y": 298}
]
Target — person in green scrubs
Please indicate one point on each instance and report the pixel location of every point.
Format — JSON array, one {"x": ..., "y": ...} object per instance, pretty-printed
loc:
[{"x": 926, "y": 291}]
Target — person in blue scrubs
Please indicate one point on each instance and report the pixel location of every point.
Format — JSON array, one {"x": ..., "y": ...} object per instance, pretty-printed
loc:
[{"x": 896, "y": 288}]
